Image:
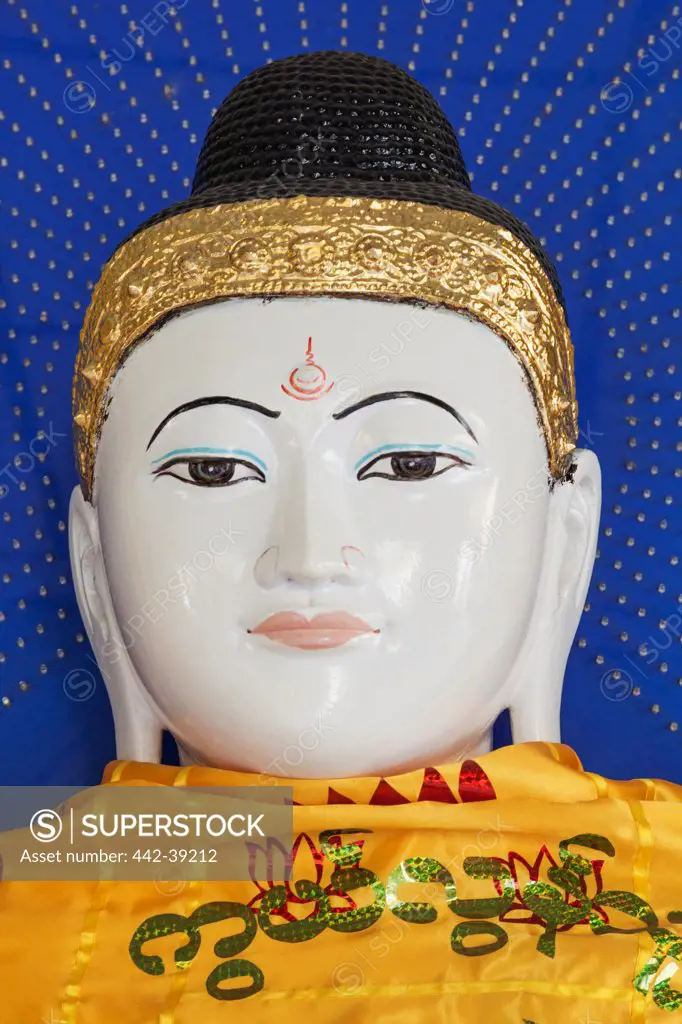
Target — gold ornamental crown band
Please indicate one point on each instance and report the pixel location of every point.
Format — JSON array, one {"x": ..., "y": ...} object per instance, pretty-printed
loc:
[{"x": 376, "y": 248}]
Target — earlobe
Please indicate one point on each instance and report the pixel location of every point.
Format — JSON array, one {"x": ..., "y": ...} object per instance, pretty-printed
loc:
[
  {"x": 136, "y": 720},
  {"x": 568, "y": 560},
  {"x": 581, "y": 523},
  {"x": 84, "y": 551}
]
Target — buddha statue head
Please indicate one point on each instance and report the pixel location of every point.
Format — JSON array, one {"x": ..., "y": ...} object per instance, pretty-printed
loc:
[{"x": 331, "y": 518}]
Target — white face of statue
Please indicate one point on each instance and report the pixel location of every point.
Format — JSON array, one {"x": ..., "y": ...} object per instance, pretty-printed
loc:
[{"x": 322, "y": 524}]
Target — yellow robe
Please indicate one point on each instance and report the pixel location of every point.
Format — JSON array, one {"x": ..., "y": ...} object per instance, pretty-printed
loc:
[{"x": 458, "y": 899}]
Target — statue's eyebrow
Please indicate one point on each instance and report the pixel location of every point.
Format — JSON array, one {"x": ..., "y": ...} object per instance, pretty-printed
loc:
[
  {"x": 387, "y": 396},
  {"x": 214, "y": 400}
]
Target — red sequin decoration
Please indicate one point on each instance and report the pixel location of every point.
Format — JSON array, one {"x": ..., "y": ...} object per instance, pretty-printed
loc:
[
  {"x": 474, "y": 784},
  {"x": 386, "y": 796},
  {"x": 334, "y": 797},
  {"x": 436, "y": 788}
]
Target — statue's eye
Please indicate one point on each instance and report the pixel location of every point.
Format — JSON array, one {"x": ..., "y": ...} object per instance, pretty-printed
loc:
[
  {"x": 408, "y": 465},
  {"x": 211, "y": 472}
]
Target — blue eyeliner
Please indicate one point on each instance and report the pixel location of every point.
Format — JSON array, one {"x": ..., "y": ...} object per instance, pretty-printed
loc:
[
  {"x": 412, "y": 447},
  {"x": 213, "y": 451}
]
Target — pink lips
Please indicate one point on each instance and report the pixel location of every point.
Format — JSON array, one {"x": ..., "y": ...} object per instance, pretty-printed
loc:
[{"x": 322, "y": 632}]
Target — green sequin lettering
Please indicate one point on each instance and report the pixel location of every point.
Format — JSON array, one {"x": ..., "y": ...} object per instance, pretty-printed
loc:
[
  {"x": 550, "y": 904},
  {"x": 627, "y": 903},
  {"x": 156, "y": 927},
  {"x": 294, "y": 931},
  {"x": 668, "y": 947},
  {"x": 348, "y": 876},
  {"x": 492, "y": 906},
  {"x": 467, "y": 928},
  {"x": 577, "y": 864},
  {"x": 418, "y": 869},
  {"x": 230, "y": 946}
]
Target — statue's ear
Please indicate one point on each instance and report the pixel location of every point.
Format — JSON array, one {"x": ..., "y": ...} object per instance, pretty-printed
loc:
[
  {"x": 568, "y": 559},
  {"x": 579, "y": 506},
  {"x": 136, "y": 720},
  {"x": 86, "y": 568}
]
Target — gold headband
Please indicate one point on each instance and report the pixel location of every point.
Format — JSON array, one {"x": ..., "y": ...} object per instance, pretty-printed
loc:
[{"x": 378, "y": 248}]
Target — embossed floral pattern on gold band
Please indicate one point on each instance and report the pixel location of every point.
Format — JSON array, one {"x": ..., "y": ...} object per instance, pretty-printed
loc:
[{"x": 378, "y": 248}]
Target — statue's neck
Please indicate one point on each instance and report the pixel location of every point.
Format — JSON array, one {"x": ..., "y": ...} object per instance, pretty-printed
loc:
[{"x": 481, "y": 745}]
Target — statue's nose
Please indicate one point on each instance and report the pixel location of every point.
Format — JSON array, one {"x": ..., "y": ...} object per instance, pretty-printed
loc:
[
  {"x": 312, "y": 541},
  {"x": 310, "y": 568}
]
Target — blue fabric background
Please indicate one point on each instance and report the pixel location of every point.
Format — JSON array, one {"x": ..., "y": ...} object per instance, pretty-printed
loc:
[{"x": 569, "y": 114}]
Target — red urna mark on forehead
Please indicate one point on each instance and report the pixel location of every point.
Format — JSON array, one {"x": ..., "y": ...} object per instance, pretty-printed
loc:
[{"x": 309, "y": 381}]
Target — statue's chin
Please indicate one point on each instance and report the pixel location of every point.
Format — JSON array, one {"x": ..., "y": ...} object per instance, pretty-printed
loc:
[{"x": 466, "y": 748}]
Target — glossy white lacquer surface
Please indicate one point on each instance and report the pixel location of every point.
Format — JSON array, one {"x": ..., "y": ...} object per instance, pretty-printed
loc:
[{"x": 422, "y": 572}]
